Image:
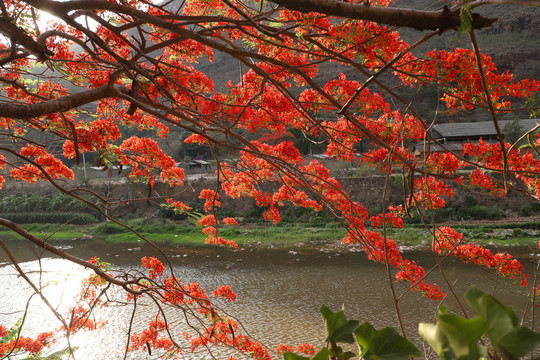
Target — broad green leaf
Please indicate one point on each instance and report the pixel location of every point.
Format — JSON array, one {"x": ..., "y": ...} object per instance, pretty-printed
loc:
[
  {"x": 336, "y": 352},
  {"x": 490, "y": 309},
  {"x": 321, "y": 355},
  {"x": 528, "y": 340},
  {"x": 432, "y": 334},
  {"x": 454, "y": 337},
  {"x": 506, "y": 337},
  {"x": 292, "y": 356},
  {"x": 338, "y": 328},
  {"x": 383, "y": 344},
  {"x": 517, "y": 343},
  {"x": 463, "y": 335}
]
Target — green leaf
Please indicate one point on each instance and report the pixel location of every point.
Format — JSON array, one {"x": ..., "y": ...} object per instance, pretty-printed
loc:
[
  {"x": 383, "y": 344},
  {"x": 338, "y": 328},
  {"x": 466, "y": 19},
  {"x": 463, "y": 335},
  {"x": 506, "y": 337},
  {"x": 292, "y": 356},
  {"x": 490, "y": 309},
  {"x": 454, "y": 337},
  {"x": 12, "y": 333},
  {"x": 432, "y": 334},
  {"x": 321, "y": 355}
]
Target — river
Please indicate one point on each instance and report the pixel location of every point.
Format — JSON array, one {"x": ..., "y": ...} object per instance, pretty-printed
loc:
[{"x": 279, "y": 292}]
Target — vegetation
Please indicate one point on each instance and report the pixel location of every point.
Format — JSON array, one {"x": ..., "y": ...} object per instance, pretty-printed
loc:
[
  {"x": 112, "y": 80},
  {"x": 283, "y": 236},
  {"x": 452, "y": 337}
]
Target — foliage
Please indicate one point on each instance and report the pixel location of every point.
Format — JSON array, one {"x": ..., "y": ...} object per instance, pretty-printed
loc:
[
  {"x": 459, "y": 213},
  {"x": 51, "y": 218},
  {"x": 513, "y": 131},
  {"x": 372, "y": 344},
  {"x": 452, "y": 337},
  {"x": 115, "y": 77},
  {"x": 12, "y": 344},
  {"x": 32, "y": 202},
  {"x": 530, "y": 209}
]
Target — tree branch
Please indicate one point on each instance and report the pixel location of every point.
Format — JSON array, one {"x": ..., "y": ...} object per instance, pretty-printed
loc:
[
  {"x": 21, "y": 37},
  {"x": 23, "y": 110},
  {"x": 441, "y": 20},
  {"x": 64, "y": 255}
]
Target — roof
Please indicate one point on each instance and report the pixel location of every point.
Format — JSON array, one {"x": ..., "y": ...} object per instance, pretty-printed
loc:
[
  {"x": 476, "y": 130},
  {"x": 319, "y": 156},
  {"x": 434, "y": 147}
]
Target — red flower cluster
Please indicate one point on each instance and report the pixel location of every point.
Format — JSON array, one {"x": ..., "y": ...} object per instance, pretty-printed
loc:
[
  {"x": 382, "y": 250},
  {"x": 226, "y": 292},
  {"x": 221, "y": 330},
  {"x": 46, "y": 165},
  {"x": 211, "y": 199},
  {"x": 154, "y": 266},
  {"x": 170, "y": 92},
  {"x": 144, "y": 155},
  {"x": 281, "y": 348},
  {"x": 177, "y": 205},
  {"x": 24, "y": 345},
  {"x": 154, "y": 337},
  {"x": 394, "y": 218},
  {"x": 209, "y": 222},
  {"x": 449, "y": 241}
]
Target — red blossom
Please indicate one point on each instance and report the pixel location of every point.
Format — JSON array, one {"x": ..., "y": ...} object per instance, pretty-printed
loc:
[
  {"x": 230, "y": 221},
  {"x": 278, "y": 96},
  {"x": 226, "y": 292},
  {"x": 281, "y": 348},
  {"x": 154, "y": 266},
  {"x": 178, "y": 205},
  {"x": 208, "y": 220},
  {"x": 306, "y": 349}
]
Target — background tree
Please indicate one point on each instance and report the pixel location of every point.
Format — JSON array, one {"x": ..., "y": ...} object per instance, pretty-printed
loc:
[{"x": 99, "y": 67}]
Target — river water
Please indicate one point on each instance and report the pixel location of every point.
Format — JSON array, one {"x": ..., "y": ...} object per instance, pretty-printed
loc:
[{"x": 279, "y": 292}]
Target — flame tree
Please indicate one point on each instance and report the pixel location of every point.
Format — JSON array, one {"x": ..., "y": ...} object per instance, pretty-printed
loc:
[{"x": 97, "y": 68}]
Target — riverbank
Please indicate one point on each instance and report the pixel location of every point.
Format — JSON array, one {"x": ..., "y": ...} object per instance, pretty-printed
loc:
[{"x": 289, "y": 236}]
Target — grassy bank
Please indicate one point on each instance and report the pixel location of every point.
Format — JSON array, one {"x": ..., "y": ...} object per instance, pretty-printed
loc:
[
  {"x": 170, "y": 233},
  {"x": 187, "y": 234}
]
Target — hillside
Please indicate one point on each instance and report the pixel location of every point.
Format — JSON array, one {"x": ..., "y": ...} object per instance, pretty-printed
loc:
[{"x": 512, "y": 42}]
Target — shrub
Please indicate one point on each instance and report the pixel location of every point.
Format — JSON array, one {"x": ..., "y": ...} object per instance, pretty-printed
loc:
[
  {"x": 530, "y": 209},
  {"x": 165, "y": 213},
  {"x": 470, "y": 202},
  {"x": 108, "y": 229},
  {"x": 478, "y": 212},
  {"x": 51, "y": 218}
]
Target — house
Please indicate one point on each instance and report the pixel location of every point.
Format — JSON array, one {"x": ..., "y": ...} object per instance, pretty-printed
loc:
[
  {"x": 203, "y": 165},
  {"x": 470, "y": 131},
  {"x": 452, "y": 136}
]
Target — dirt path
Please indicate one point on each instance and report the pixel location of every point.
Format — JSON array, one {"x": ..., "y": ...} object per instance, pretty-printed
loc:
[{"x": 507, "y": 220}]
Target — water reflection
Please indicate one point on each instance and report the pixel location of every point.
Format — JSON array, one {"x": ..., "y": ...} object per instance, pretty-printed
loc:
[{"x": 279, "y": 293}]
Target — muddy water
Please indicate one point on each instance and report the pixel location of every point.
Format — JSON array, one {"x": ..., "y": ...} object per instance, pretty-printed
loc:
[{"x": 279, "y": 292}]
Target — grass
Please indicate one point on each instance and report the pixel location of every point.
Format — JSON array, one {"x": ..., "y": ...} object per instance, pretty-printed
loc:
[
  {"x": 282, "y": 236},
  {"x": 489, "y": 235},
  {"x": 53, "y": 232},
  {"x": 182, "y": 234}
]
